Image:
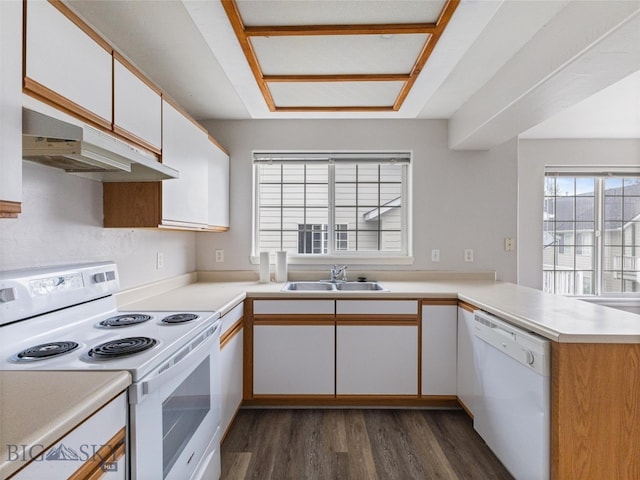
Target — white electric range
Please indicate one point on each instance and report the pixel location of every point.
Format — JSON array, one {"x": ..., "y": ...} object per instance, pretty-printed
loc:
[{"x": 66, "y": 318}]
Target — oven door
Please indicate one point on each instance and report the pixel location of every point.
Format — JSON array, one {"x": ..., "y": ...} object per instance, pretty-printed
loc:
[{"x": 175, "y": 413}]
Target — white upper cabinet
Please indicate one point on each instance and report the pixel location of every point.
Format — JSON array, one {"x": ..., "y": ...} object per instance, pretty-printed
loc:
[
  {"x": 65, "y": 65},
  {"x": 137, "y": 112},
  {"x": 185, "y": 200},
  {"x": 10, "y": 109},
  {"x": 218, "y": 187}
]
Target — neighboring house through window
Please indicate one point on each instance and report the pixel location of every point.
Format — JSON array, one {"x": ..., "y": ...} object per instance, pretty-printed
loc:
[
  {"x": 350, "y": 204},
  {"x": 591, "y": 234}
]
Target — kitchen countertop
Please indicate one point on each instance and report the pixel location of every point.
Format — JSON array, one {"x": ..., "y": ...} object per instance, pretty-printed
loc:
[
  {"x": 555, "y": 317},
  {"x": 38, "y": 408}
]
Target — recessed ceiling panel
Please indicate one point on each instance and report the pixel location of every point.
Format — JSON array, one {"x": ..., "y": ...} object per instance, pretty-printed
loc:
[
  {"x": 343, "y": 12},
  {"x": 335, "y": 94},
  {"x": 338, "y": 54},
  {"x": 365, "y": 53}
]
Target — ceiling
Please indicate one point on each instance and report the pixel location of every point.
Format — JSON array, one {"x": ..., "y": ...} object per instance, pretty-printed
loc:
[{"x": 553, "y": 69}]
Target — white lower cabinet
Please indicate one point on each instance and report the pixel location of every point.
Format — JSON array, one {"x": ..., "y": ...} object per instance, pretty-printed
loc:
[
  {"x": 468, "y": 386},
  {"x": 293, "y": 359},
  {"x": 376, "y": 360},
  {"x": 439, "y": 352},
  {"x": 94, "y": 449},
  {"x": 231, "y": 366}
]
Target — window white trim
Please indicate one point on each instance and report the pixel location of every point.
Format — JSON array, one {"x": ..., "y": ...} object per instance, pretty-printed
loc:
[{"x": 402, "y": 257}]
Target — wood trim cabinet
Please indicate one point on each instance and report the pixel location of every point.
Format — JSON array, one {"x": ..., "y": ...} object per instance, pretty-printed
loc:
[
  {"x": 137, "y": 106},
  {"x": 65, "y": 65},
  {"x": 231, "y": 365},
  {"x": 333, "y": 352},
  {"x": 377, "y": 344},
  {"x": 595, "y": 411},
  {"x": 439, "y": 352},
  {"x": 10, "y": 110},
  {"x": 183, "y": 203},
  {"x": 99, "y": 443}
]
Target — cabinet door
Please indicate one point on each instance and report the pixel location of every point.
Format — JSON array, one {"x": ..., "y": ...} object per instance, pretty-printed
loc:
[
  {"x": 66, "y": 65},
  {"x": 376, "y": 360},
  {"x": 468, "y": 383},
  {"x": 439, "y": 356},
  {"x": 293, "y": 359},
  {"x": 99, "y": 445},
  {"x": 231, "y": 378},
  {"x": 218, "y": 187},
  {"x": 10, "y": 108},
  {"x": 137, "y": 112},
  {"x": 184, "y": 199}
]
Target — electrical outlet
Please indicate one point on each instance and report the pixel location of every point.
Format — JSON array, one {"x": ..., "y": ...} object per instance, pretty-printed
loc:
[
  {"x": 468, "y": 255},
  {"x": 219, "y": 256},
  {"x": 509, "y": 245},
  {"x": 435, "y": 255},
  {"x": 159, "y": 260}
]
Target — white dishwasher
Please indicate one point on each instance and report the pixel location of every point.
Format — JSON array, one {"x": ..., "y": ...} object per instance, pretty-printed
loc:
[{"x": 513, "y": 416}]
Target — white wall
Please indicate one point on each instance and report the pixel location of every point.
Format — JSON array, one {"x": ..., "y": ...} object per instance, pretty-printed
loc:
[
  {"x": 533, "y": 155},
  {"x": 460, "y": 199},
  {"x": 62, "y": 223}
]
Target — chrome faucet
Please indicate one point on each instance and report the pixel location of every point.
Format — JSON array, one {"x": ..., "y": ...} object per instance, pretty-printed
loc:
[{"x": 336, "y": 270}]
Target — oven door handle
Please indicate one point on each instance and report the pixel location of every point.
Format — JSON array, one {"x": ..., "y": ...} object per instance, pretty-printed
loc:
[{"x": 182, "y": 363}]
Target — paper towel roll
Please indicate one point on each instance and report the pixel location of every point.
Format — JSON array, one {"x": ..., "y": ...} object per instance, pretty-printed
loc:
[
  {"x": 281, "y": 266},
  {"x": 264, "y": 267}
]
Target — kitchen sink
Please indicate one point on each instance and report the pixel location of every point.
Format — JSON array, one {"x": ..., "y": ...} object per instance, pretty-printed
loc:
[
  {"x": 320, "y": 286},
  {"x": 360, "y": 286},
  {"x": 308, "y": 286}
]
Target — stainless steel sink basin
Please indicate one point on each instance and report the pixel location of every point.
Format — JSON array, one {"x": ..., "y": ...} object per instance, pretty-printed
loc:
[
  {"x": 308, "y": 286},
  {"x": 324, "y": 286},
  {"x": 360, "y": 286}
]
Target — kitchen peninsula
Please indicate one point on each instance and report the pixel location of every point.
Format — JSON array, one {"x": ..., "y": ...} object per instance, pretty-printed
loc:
[{"x": 595, "y": 428}]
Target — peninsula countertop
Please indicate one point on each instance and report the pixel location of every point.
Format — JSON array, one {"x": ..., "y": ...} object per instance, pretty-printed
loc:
[
  {"x": 558, "y": 318},
  {"x": 38, "y": 408}
]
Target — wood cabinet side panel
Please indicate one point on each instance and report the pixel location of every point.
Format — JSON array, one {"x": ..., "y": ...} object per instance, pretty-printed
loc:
[
  {"x": 132, "y": 204},
  {"x": 595, "y": 411}
]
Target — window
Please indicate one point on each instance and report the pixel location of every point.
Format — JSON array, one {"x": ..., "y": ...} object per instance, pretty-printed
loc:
[
  {"x": 344, "y": 204},
  {"x": 591, "y": 234}
]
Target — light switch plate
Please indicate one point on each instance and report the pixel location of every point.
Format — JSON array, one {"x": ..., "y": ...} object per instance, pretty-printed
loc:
[{"x": 435, "y": 255}]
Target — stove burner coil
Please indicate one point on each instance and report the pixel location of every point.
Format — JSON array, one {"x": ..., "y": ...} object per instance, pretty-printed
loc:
[
  {"x": 125, "y": 320},
  {"x": 179, "y": 318},
  {"x": 46, "y": 350},
  {"x": 121, "y": 347}
]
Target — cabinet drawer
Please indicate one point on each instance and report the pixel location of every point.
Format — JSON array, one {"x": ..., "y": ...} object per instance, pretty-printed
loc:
[
  {"x": 293, "y": 307},
  {"x": 377, "y": 307}
]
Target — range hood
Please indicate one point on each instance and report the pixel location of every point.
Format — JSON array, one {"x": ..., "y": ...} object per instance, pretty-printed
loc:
[{"x": 86, "y": 151}]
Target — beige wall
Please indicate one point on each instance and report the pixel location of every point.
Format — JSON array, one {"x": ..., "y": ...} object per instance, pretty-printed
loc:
[
  {"x": 460, "y": 199},
  {"x": 61, "y": 223}
]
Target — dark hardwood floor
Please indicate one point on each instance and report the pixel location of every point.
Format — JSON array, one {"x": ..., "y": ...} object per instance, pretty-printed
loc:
[{"x": 356, "y": 444}]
